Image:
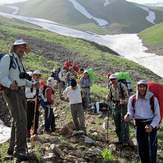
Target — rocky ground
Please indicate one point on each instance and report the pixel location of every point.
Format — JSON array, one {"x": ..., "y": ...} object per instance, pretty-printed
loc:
[{"x": 63, "y": 146}]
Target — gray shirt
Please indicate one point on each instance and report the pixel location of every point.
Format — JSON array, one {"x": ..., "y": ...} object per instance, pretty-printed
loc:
[{"x": 7, "y": 76}]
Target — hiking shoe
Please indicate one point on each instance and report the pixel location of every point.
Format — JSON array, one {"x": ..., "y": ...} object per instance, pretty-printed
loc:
[
  {"x": 10, "y": 152},
  {"x": 22, "y": 156}
]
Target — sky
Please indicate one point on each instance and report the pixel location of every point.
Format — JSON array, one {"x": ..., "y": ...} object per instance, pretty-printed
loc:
[{"x": 146, "y": 1}]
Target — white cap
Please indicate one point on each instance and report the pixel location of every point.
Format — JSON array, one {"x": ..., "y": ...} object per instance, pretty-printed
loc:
[
  {"x": 112, "y": 77},
  {"x": 36, "y": 72},
  {"x": 19, "y": 42},
  {"x": 144, "y": 82},
  {"x": 29, "y": 73}
]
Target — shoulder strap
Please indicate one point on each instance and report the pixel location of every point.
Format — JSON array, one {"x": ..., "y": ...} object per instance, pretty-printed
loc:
[
  {"x": 11, "y": 61},
  {"x": 152, "y": 103}
]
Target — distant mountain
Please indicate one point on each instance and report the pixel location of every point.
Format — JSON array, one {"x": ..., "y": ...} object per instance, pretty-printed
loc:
[{"x": 107, "y": 16}]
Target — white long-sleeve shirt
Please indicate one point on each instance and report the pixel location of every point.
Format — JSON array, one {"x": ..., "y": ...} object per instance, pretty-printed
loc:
[
  {"x": 142, "y": 109},
  {"x": 74, "y": 95},
  {"x": 7, "y": 76}
]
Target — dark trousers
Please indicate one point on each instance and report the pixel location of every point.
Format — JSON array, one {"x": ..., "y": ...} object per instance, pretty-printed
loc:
[
  {"x": 32, "y": 115},
  {"x": 147, "y": 144},
  {"x": 49, "y": 119},
  {"x": 17, "y": 105},
  {"x": 122, "y": 128}
]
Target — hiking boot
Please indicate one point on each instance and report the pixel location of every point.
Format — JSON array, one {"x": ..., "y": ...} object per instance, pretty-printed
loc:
[
  {"x": 10, "y": 152},
  {"x": 22, "y": 156}
]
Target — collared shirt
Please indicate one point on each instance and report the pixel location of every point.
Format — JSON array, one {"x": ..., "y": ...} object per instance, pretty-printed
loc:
[
  {"x": 7, "y": 76},
  {"x": 74, "y": 95},
  {"x": 142, "y": 109}
]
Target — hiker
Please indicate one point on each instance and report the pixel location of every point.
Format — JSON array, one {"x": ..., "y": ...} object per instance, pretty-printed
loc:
[
  {"x": 33, "y": 105},
  {"x": 73, "y": 93},
  {"x": 47, "y": 102},
  {"x": 14, "y": 80},
  {"x": 85, "y": 84},
  {"x": 118, "y": 96},
  {"x": 62, "y": 81},
  {"x": 147, "y": 118}
]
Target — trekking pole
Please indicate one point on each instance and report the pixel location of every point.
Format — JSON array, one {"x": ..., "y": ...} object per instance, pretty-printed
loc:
[
  {"x": 33, "y": 137},
  {"x": 149, "y": 148}
]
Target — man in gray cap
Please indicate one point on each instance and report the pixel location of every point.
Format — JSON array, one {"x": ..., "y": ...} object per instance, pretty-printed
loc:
[
  {"x": 118, "y": 96},
  {"x": 144, "y": 108},
  {"x": 14, "y": 80}
]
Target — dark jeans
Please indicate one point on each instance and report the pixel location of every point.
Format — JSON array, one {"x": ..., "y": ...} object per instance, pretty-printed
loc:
[
  {"x": 147, "y": 144},
  {"x": 49, "y": 119}
]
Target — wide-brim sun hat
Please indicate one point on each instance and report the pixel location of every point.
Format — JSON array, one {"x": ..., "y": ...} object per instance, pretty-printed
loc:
[{"x": 19, "y": 42}]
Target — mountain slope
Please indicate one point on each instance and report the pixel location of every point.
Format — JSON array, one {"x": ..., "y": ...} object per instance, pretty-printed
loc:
[
  {"x": 153, "y": 39},
  {"x": 122, "y": 16},
  {"x": 49, "y": 50}
]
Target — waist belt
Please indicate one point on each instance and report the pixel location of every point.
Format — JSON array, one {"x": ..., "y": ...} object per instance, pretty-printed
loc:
[{"x": 142, "y": 122}]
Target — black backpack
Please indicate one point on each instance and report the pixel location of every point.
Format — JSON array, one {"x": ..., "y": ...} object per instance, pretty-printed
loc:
[
  {"x": 11, "y": 59},
  {"x": 55, "y": 74},
  {"x": 127, "y": 84}
]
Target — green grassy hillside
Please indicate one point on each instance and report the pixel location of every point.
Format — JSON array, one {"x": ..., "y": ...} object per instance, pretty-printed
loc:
[
  {"x": 50, "y": 50},
  {"x": 152, "y": 38},
  {"x": 124, "y": 17},
  {"x": 153, "y": 35}
]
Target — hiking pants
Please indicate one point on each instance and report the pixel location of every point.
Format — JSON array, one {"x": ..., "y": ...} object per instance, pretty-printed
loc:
[
  {"x": 49, "y": 119},
  {"x": 31, "y": 112},
  {"x": 85, "y": 97},
  {"x": 17, "y": 105},
  {"x": 146, "y": 143},
  {"x": 78, "y": 116},
  {"x": 122, "y": 128},
  {"x": 61, "y": 87}
]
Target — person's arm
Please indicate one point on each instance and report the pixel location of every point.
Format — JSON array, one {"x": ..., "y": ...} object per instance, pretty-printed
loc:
[
  {"x": 130, "y": 110},
  {"x": 156, "y": 118},
  {"x": 4, "y": 71}
]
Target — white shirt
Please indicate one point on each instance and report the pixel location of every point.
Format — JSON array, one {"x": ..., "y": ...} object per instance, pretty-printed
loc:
[
  {"x": 74, "y": 95},
  {"x": 7, "y": 76}
]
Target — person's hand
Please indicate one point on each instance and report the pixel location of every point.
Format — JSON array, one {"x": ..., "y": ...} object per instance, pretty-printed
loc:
[
  {"x": 122, "y": 101},
  {"x": 148, "y": 128},
  {"x": 127, "y": 118},
  {"x": 14, "y": 86}
]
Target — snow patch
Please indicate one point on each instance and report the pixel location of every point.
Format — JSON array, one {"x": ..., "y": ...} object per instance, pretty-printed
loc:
[{"x": 82, "y": 10}]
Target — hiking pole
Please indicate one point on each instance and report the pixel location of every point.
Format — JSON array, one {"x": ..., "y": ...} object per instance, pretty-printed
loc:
[
  {"x": 149, "y": 148},
  {"x": 33, "y": 137}
]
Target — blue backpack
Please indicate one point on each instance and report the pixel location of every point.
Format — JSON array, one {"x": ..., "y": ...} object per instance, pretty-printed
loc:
[{"x": 11, "y": 59}]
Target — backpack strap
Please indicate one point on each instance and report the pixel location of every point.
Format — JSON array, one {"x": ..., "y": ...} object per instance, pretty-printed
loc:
[
  {"x": 152, "y": 104},
  {"x": 133, "y": 102},
  {"x": 11, "y": 61}
]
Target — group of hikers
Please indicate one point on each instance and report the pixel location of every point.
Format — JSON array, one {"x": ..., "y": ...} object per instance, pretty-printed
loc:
[{"x": 25, "y": 92}]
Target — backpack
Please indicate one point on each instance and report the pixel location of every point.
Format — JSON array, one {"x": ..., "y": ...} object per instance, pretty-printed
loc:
[
  {"x": 55, "y": 74},
  {"x": 11, "y": 59},
  {"x": 11, "y": 64},
  {"x": 43, "y": 92},
  {"x": 157, "y": 90},
  {"x": 124, "y": 77}
]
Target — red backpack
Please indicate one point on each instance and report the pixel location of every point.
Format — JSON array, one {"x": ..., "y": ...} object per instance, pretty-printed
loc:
[{"x": 157, "y": 90}]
